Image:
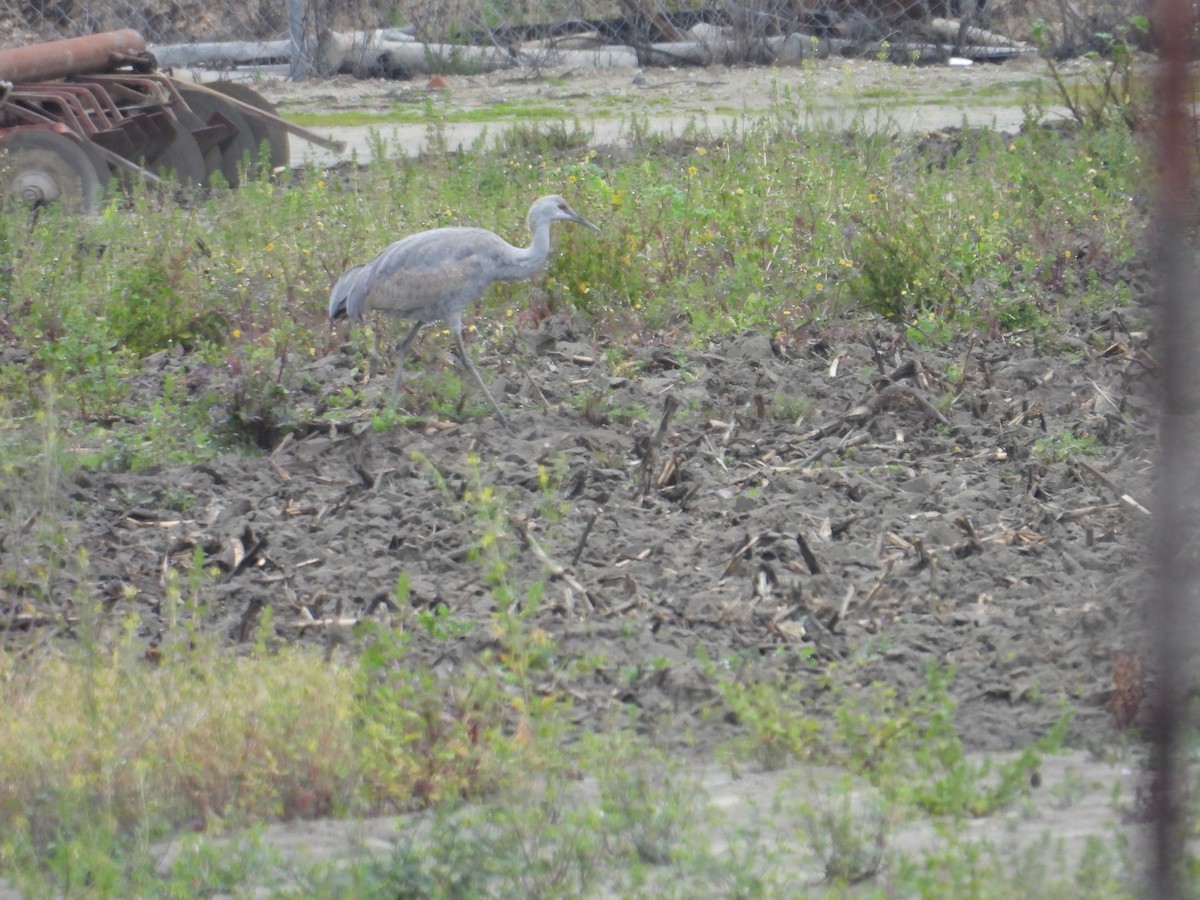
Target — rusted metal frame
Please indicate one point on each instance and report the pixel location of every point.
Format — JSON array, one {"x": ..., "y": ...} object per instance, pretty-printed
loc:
[
  {"x": 168, "y": 96},
  {"x": 82, "y": 124},
  {"x": 56, "y": 127},
  {"x": 262, "y": 114},
  {"x": 104, "y": 103},
  {"x": 40, "y": 120},
  {"x": 128, "y": 165},
  {"x": 150, "y": 91},
  {"x": 85, "y": 102},
  {"x": 156, "y": 90},
  {"x": 71, "y": 112},
  {"x": 103, "y": 97},
  {"x": 142, "y": 94}
]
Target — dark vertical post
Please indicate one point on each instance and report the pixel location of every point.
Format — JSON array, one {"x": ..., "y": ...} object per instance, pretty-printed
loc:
[{"x": 1178, "y": 420}]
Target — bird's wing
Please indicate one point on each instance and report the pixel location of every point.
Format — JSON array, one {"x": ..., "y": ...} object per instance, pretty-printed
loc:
[{"x": 431, "y": 274}]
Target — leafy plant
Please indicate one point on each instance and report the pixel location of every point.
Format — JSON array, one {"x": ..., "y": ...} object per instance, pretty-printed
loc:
[
  {"x": 847, "y": 831},
  {"x": 1111, "y": 90},
  {"x": 420, "y": 741},
  {"x": 647, "y": 804},
  {"x": 151, "y": 306},
  {"x": 912, "y": 752},
  {"x": 776, "y": 729}
]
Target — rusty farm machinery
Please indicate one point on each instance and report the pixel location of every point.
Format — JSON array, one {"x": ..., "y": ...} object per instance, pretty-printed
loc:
[{"x": 76, "y": 114}]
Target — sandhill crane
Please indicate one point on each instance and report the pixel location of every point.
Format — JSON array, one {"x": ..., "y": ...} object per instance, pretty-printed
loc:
[{"x": 434, "y": 275}]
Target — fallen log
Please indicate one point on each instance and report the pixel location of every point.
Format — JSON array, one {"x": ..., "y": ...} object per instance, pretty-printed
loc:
[
  {"x": 609, "y": 56},
  {"x": 405, "y": 60},
  {"x": 951, "y": 29},
  {"x": 392, "y": 53},
  {"x": 373, "y": 57},
  {"x": 689, "y": 53},
  {"x": 717, "y": 49},
  {"x": 222, "y": 54}
]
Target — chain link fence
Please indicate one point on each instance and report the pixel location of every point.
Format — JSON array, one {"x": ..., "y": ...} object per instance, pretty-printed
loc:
[{"x": 725, "y": 31}]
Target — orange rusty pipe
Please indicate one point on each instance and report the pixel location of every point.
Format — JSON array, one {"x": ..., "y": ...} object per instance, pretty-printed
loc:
[{"x": 74, "y": 56}]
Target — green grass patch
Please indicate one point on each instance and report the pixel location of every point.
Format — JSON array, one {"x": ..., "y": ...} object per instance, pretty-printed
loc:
[
  {"x": 501, "y": 111},
  {"x": 774, "y": 224}
]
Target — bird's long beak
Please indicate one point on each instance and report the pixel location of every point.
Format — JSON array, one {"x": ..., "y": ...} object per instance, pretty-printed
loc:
[{"x": 576, "y": 217}]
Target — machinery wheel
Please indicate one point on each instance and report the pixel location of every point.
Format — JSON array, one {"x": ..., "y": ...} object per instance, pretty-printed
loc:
[
  {"x": 275, "y": 135},
  {"x": 239, "y": 143},
  {"x": 193, "y": 123},
  {"x": 104, "y": 171},
  {"x": 42, "y": 167},
  {"x": 182, "y": 160}
]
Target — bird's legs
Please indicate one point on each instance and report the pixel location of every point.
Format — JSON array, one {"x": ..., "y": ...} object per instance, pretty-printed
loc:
[
  {"x": 398, "y": 379},
  {"x": 470, "y": 367}
]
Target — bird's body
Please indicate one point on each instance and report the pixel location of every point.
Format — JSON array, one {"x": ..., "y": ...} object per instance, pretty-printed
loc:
[{"x": 434, "y": 275}]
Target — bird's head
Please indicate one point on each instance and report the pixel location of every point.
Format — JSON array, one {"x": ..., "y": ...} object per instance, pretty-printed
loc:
[{"x": 555, "y": 209}]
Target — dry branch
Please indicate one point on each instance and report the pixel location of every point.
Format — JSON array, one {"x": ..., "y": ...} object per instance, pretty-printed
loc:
[
  {"x": 309, "y": 624},
  {"x": 810, "y": 558},
  {"x": 1107, "y": 482},
  {"x": 651, "y": 447},
  {"x": 555, "y": 569},
  {"x": 646, "y": 12},
  {"x": 587, "y": 530},
  {"x": 849, "y": 441},
  {"x": 899, "y": 391},
  {"x": 22, "y": 620},
  {"x": 742, "y": 551}
]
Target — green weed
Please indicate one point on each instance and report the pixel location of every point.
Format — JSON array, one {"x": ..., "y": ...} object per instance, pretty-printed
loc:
[
  {"x": 776, "y": 224},
  {"x": 1112, "y": 90},
  {"x": 420, "y": 740},
  {"x": 847, "y": 831},
  {"x": 1065, "y": 447},
  {"x": 912, "y": 752},
  {"x": 775, "y": 729}
]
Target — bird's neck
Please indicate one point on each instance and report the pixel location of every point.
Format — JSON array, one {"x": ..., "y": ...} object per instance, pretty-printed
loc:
[{"x": 531, "y": 259}]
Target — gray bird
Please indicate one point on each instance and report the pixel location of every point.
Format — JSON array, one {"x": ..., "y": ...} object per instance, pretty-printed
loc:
[{"x": 434, "y": 275}]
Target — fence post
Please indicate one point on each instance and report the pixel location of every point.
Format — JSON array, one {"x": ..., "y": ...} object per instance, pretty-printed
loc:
[
  {"x": 301, "y": 59},
  {"x": 1172, "y": 605}
]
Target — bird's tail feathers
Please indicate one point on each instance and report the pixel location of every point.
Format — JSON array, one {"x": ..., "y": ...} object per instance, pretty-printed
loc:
[{"x": 339, "y": 296}]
